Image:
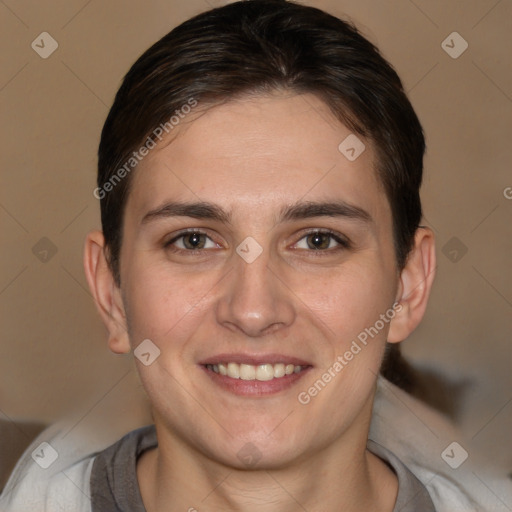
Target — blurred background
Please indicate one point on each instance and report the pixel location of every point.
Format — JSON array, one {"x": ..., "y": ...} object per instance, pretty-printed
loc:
[{"x": 61, "y": 65}]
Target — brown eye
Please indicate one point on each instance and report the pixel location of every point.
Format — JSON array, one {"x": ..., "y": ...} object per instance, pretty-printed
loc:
[
  {"x": 192, "y": 240},
  {"x": 318, "y": 241},
  {"x": 322, "y": 241}
]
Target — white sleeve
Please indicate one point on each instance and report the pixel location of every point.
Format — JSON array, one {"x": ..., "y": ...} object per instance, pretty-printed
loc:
[
  {"x": 456, "y": 476},
  {"x": 51, "y": 476}
]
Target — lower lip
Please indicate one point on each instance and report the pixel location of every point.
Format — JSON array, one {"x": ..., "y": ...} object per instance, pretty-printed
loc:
[{"x": 255, "y": 387}]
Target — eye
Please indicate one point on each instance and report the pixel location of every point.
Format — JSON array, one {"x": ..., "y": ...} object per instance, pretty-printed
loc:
[
  {"x": 192, "y": 240},
  {"x": 321, "y": 241}
]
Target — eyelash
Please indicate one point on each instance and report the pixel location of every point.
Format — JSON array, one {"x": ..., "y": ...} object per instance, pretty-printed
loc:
[{"x": 343, "y": 243}]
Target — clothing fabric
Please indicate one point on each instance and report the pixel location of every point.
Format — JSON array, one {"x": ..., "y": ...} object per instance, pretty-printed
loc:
[
  {"x": 114, "y": 485},
  {"x": 405, "y": 428}
]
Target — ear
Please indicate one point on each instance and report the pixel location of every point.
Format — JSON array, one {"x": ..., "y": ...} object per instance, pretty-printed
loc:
[
  {"x": 414, "y": 287},
  {"x": 107, "y": 295}
]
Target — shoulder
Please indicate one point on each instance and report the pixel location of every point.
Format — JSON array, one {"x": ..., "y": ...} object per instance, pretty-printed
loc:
[
  {"x": 52, "y": 474},
  {"x": 55, "y": 472},
  {"x": 436, "y": 452}
]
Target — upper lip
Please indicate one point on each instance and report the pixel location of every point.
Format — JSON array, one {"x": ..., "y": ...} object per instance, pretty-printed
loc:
[{"x": 255, "y": 359}]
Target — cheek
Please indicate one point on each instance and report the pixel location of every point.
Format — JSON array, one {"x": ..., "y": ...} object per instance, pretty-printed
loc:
[
  {"x": 348, "y": 300},
  {"x": 349, "y": 303},
  {"x": 162, "y": 304}
]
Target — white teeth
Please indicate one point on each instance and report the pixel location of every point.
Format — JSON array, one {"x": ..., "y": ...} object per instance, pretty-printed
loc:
[
  {"x": 234, "y": 370},
  {"x": 264, "y": 372},
  {"x": 261, "y": 372},
  {"x": 279, "y": 370},
  {"x": 247, "y": 372}
]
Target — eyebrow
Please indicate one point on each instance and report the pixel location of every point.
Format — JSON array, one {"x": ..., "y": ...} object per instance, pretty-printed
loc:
[
  {"x": 199, "y": 210},
  {"x": 299, "y": 211},
  {"x": 310, "y": 209}
]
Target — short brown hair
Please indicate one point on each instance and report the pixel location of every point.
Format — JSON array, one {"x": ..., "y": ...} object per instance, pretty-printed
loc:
[{"x": 258, "y": 46}]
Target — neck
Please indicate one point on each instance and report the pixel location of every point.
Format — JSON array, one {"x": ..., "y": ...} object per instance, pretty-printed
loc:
[{"x": 342, "y": 476}]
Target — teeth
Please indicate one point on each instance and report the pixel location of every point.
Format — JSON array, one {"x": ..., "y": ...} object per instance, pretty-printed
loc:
[
  {"x": 279, "y": 370},
  {"x": 261, "y": 372},
  {"x": 247, "y": 372},
  {"x": 264, "y": 372},
  {"x": 233, "y": 370}
]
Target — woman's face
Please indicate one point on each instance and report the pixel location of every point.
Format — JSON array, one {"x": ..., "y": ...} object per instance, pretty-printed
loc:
[{"x": 255, "y": 245}]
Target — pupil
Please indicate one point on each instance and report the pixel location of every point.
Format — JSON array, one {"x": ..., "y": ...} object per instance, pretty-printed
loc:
[
  {"x": 318, "y": 241},
  {"x": 194, "y": 240}
]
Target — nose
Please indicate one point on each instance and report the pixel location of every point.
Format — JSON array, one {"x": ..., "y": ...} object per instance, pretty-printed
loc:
[{"x": 254, "y": 300}]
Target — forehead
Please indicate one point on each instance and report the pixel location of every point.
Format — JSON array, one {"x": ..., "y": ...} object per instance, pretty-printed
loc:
[{"x": 259, "y": 153}]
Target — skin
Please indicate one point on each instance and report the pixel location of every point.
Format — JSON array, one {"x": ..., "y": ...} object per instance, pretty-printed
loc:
[{"x": 252, "y": 158}]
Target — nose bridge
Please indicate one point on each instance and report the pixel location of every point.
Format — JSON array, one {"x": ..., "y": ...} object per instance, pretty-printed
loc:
[{"x": 253, "y": 299}]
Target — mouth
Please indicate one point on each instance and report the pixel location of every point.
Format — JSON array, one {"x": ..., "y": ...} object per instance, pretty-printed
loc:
[
  {"x": 260, "y": 372},
  {"x": 255, "y": 376}
]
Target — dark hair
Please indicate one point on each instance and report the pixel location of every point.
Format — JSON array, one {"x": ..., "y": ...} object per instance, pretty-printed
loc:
[{"x": 259, "y": 46}]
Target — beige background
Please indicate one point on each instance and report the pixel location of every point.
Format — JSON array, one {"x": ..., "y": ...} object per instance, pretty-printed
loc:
[{"x": 53, "y": 356}]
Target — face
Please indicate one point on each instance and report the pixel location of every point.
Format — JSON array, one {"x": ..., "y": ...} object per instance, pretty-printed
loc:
[{"x": 253, "y": 246}]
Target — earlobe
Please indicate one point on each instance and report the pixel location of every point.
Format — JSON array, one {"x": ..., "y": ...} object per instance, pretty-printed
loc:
[
  {"x": 415, "y": 285},
  {"x": 106, "y": 293}
]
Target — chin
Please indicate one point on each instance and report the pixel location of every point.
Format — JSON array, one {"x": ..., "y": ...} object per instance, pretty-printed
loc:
[{"x": 257, "y": 453}]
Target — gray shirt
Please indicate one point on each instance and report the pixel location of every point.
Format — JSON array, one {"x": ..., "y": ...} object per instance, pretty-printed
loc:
[{"x": 114, "y": 485}]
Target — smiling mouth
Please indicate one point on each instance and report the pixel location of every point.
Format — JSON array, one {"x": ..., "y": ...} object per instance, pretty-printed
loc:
[{"x": 260, "y": 372}]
